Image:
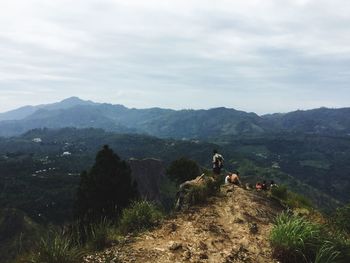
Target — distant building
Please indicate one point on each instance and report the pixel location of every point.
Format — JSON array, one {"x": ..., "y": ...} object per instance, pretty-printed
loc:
[
  {"x": 37, "y": 140},
  {"x": 275, "y": 165}
]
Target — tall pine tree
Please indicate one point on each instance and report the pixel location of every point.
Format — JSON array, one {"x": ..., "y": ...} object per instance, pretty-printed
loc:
[{"x": 106, "y": 189}]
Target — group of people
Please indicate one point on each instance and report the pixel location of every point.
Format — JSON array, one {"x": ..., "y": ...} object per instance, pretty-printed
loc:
[
  {"x": 233, "y": 178},
  {"x": 264, "y": 186}
]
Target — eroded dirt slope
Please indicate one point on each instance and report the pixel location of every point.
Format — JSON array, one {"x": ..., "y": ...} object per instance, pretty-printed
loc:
[{"x": 232, "y": 227}]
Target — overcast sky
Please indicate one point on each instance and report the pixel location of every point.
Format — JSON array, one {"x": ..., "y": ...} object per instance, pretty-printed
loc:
[{"x": 254, "y": 55}]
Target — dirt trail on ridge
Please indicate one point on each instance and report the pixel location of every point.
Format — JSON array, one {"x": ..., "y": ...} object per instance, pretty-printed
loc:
[{"x": 232, "y": 227}]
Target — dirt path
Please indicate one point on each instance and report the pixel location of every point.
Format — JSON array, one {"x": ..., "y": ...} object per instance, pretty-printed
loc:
[{"x": 232, "y": 227}]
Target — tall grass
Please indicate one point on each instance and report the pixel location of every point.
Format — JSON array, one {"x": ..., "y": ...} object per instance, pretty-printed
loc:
[
  {"x": 99, "y": 234},
  {"x": 294, "y": 239},
  {"x": 290, "y": 199},
  {"x": 55, "y": 247},
  {"x": 199, "y": 193},
  {"x": 327, "y": 253}
]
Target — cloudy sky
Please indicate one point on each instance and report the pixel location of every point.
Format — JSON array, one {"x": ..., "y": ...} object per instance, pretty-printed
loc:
[{"x": 254, "y": 55}]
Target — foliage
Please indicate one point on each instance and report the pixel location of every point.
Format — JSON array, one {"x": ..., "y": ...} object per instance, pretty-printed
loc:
[
  {"x": 199, "y": 193},
  {"x": 341, "y": 218},
  {"x": 326, "y": 253},
  {"x": 290, "y": 199},
  {"x": 106, "y": 188},
  {"x": 295, "y": 239},
  {"x": 99, "y": 234},
  {"x": 196, "y": 194},
  {"x": 279, "y": 192},
  {"x": 140, "y": 216},
  {"x": 182, "y": 170},
  {"x": 56, "y": 248}
]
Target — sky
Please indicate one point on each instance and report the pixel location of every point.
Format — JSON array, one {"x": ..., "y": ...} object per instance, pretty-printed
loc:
[{"x": 260, "y": 56}]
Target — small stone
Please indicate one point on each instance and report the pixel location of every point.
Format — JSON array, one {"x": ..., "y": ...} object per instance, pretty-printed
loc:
[
  {"x": 175, "y": 246},
  {"x": 238, "y": 220},
  {"x": 172, "y": 227},
  {"x": 253, "y": 228},
  {"x": 187, "y": 255},
  {"x": 203, "y": 246},
  {"x": 203, "y": 256}
]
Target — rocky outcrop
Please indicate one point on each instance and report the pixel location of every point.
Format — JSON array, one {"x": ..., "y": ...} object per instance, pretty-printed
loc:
[{"x": 148, "y": 174}]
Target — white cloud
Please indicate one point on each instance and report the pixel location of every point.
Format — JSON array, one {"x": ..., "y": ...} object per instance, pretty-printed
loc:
[{"x": 193, "y": 49}]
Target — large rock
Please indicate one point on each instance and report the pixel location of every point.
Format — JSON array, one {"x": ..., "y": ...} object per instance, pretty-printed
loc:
[{"x": 148, "y": 174}]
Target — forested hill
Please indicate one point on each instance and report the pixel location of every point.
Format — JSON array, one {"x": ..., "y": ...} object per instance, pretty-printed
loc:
[
  {"x": 165, "y": 123},
  {"x": 44, "y": 165}
]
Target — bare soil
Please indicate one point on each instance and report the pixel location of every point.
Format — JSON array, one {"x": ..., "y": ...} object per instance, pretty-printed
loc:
[{"x": 232, "y": 227}]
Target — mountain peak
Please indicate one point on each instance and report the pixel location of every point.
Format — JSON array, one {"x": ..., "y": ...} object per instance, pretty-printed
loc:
[
  {"x": 75, "y": 101},
  {"x": 72, "y": 99}
]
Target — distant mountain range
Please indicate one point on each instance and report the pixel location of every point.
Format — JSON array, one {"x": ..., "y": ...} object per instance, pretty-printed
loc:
[{"x": 191, "y": 124}]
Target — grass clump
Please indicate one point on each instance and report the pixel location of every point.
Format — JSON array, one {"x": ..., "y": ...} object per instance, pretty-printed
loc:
[
  {"x": 294, "y": 238},
  {"x": 290, "y": 199},
  {"x": 100, "y": 235},
  {"x": 140, "y": 216},
  {"x": 55, "y": 247},
  {"x": 198, "y": 193},
  {"x": 279, "y": 192},
  {"x": 327, "y": 253}
]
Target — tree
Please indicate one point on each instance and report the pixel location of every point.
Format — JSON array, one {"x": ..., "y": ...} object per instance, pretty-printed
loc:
[
  {"x": 182, "y": 170},
  {"x": 341, "y": 218},
  {"x": 106, "y": 189}
]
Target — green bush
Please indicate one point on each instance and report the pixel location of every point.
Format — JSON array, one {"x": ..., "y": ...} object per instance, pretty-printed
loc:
[
  {"x": 56, "y": 248},
  {"x": 279, "y": 192},
  {"x": 99, "y": 235},
  {"x": 341, "y": 218},
  {"x": 199, "y": 193},
  {"x": 294, "y": 239},
  {"x": 140, "y": 216},
  {"x": 196, "y": 194},
  {"x": 295, "y": 200},
  {"x": 290, "y": 199},
  {"x": 327, "y": 253}
]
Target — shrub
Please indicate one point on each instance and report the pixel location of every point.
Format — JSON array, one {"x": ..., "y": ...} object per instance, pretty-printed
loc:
[
  {"x": 294, "y": 239},
  {"x": 56, "y": 248},
  {"x": 295, "y": 200},
  {"x": 341, "y": 218},
  {"x": 196, "y": 194},
  {"x": 140, "y": 216},
  {"x": 290, "y": 199},
  {"x": 327, "y": 253},
  {"x": 99, "y": 235},
  {"x": 279, "y": 192}
]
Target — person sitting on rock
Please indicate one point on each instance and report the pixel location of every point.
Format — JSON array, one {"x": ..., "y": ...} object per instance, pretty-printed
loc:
[
  {"x": 228, "y": 179},
  {"x": 235, "y": 179},
  {"x": 258, "y": 186},
  {"x": 273, "y": 184},
  {"x": 264, "y": 186}
]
